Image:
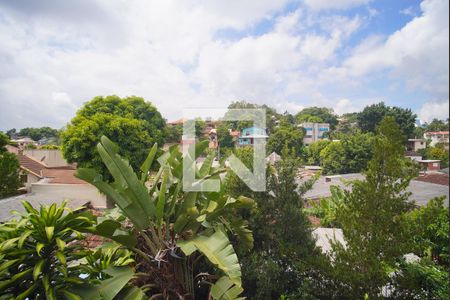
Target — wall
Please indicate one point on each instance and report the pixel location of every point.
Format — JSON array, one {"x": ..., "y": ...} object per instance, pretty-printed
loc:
[
  {"x": 85, "y": 192},
  {"x": 52, "y": 158}
]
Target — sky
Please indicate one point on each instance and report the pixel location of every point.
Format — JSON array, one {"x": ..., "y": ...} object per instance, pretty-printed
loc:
[{"x": 343, "y": 54}]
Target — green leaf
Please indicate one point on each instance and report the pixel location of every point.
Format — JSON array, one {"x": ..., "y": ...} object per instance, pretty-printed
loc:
[
  {"x": 61, "y": 244},
  {"x": 23, "y": 237},
  {"x": 148, "y": 163},
  {"x": 38, "y": 269},
  {"x": 39, "y": 247},
  {"x": 162, "y": 195},
  {"x": 70, "y": 295},
  {"x": 61, "y": 257},
  {"x": 219, "y": 251},
  {"x": 27, "y": 292},
  {"x": 49, "y": 232},
  {"x": 7, "y": 264},
  {"x": 224, "y": 288}
]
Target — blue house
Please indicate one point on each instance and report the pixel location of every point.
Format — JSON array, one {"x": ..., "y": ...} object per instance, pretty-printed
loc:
[{"x": 250, "y": 134}]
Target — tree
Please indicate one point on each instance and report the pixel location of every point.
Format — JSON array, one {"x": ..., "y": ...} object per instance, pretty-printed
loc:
[
  {"x": 371, "y": 116},
  {"x": 373, "y": 219},
  {"x": 437, "y": 125},
  {"x": 131, "y": 122},
  {"x": 174, "y": 133},
  {"x": 282, "y": 238},
  {"x": 224, "y": 138},
  {"x": 318, "y": 115},
  {"x": 38, "y": 133},
  {"x": 349, "y": 155},
  {"x": 11, "y": 133},
  {"x": 290, "y": 137},
  {"x": 9, "y": 170},
  {"x": 313, "y": 152}
]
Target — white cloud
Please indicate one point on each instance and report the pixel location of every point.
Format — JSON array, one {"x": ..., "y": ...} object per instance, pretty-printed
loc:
[
  {"x": 434, "y": 109},
  {"x": 334, "y": 4},
  {"x": 418, "y": 52}
]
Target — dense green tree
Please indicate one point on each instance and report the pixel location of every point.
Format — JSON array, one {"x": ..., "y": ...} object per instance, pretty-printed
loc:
[
  {"x": 11, "y": 133},
  {"x": 9, "y": 170},
  {"x": 234, "y": 186},
  {"x": 437, "y": 125},
  {"x": 38, "y": 133},
  {"x": 174, "y": 133},
  {"x": 224, "y": 138},
  {"x": 131, "y": 122},
  {"x": 286, "y": 136},
  {"x": 371, "y": 116},
  {"x": 313, "y": 152},
  {"x": 282, "y": 238},
  {"x": 318, "y": 115},
  {"x": 349, "y": 155},
  {"x": 271, "y": 115},
  {"x": 373, "y": 220}
]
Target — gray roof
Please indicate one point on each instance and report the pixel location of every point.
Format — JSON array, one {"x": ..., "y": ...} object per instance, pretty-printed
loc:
[
  {"x": 421, "y": 191},
  {"x": 14, "y": 203}
]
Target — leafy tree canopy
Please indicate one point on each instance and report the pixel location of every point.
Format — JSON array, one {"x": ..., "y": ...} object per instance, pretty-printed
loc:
[
  {"x": 38, "y": 133},
  {"x": 286, "y": 136},
  {"x": 9, "y": 170},
  {"x": 371, "y": 116},
  {"x": 131, "y": 122},
  {"x": 437, "y": 125},
  {"x": 318, "y": 115}
]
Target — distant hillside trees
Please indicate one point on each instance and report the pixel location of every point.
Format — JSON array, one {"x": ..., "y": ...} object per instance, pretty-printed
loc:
[
  {"x": 371, "y": 116},
  {"x": 131, "y": 122},
  {"x": 9, "y": 170},
  {"x": 318, "y": 115}
]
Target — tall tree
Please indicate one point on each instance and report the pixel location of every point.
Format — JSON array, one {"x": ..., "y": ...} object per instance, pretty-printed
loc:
[
  {"x": 286, "y": 136},
  {"x": 437, "y": 125},
  {"x": 282, "y": 238},
  {"x": 373, "y": 219},
  {"x": 38, "y": 133},
  {"x": 131, "y": 122}
]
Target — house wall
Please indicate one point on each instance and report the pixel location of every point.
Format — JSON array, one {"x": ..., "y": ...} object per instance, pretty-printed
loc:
[
  {"x": 435, "y": 166},
  {"x": 314, "y": 132},
  {"x": 30, "y": 180},
  {"x": 52, "y": 158},
  {"x": 82, "y": 192}
]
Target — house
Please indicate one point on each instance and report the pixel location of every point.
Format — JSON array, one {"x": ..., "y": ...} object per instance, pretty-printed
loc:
[
  {"x": 437, "y": 137},
  {"x": 314, "y": 132},
  {"x": 250, "y": 135},
  {"x": 412, "y": 155},
  {"x": 430, "y": 164},
  {"x": 47, "y": 175},
  {"x": 416, "y": 144}
]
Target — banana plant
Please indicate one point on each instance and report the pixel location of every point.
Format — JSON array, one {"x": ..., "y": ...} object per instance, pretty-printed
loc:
[{"x": 169, "y": 229}]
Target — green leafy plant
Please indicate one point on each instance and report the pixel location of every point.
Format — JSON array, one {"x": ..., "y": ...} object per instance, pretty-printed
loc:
[
  {"x": 39, "y": 251},
  {"x": 169, "y": 229}
]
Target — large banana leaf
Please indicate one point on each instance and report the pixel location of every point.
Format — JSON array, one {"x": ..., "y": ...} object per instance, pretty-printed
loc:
[
  {"x": 219, "y": 251},
  {"x": 225, "y": 289}
]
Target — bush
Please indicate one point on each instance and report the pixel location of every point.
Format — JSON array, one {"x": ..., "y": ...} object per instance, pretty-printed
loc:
[{"x": 9, "y": 175}]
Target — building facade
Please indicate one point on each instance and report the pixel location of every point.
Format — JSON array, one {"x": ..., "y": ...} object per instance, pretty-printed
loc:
[
  {"x": 437, "y": 137},
  {"x": 315, "y": 132},
  {"x": 416, "y": 144},
  {"x": 249, "y": 135}
]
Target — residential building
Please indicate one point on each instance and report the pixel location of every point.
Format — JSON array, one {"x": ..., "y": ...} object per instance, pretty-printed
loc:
[
  {"x": 250, "y": 135},
  {"x": 24, "y": 142},
  {"x": 315, "y": 132},
  {"x": 416, "y": 144},
  {"x": 437, "y": 137}
]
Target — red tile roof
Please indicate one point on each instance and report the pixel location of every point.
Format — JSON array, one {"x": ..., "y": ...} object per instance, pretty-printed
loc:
[
  {"x": 31, "y": 165},
  {"x": 437, "y": 178}
]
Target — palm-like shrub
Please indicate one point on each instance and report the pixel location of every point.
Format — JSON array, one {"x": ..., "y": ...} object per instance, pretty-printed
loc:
[
  {"x": 38, "y": 253},
  {"x": 170, "y": 230}
]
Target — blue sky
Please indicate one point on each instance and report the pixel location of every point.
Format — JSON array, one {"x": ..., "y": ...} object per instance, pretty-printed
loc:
[{"x": 343, "y": 54}]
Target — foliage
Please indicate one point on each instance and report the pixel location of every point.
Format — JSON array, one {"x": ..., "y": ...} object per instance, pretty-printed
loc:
[
  {"x": 174, "y": 133},
  {"x": 438, "y": 152},
  {"x": 9, "y": 170},
  {"x": 133, "y": 123},
  {"x": 282, "y": 236},
  {"x": 286, "y": 136},
  {"x": 224, "y": 138},
  {"x": 349, "y": 155},
  {"x": 429, "y": 226},
  {"x": 30, "y": 147},
  {"x": 38, "y": 133},
  {"x": 313, "y": 152},
  {"x": 419, "y": 280},
  {"x": 373, "y": 220},
  {"x": 50, "y": 147},
  {"x": 437, "y": 125},
  {"x": 39, "y": 252},
  {"x": 271, "y": 115},
  {"x": 318, "y": 115},
  {"x": 234, "y": 186},
  {"x": 372, "y": 115},
  {"x": 326, "y": 209},
  {"x": 170, "y": 226}
]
